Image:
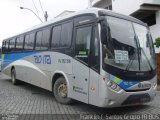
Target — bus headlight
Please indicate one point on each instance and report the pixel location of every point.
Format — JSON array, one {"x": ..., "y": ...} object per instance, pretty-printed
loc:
[{"x": 113, "y": 86}]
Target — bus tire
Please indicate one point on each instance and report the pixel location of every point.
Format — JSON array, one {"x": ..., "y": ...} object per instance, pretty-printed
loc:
[
  {"x": 13, "y": 77},
  {"x": 60, "y": 91}
]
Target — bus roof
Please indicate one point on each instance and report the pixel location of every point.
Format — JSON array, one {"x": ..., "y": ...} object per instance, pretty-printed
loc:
[{"x": 95, "y": 11}]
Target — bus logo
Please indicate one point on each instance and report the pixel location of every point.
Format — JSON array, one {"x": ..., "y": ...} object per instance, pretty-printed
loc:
[{"x": 42, "y": 59}]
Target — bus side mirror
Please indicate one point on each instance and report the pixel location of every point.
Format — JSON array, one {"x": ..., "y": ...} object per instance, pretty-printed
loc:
[{"x": 105, "y": 34}]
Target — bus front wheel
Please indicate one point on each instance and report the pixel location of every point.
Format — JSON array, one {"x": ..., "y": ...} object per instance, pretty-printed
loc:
[
  {"x": 61, "y": 90},
  {"x": 13, "y": 77}
]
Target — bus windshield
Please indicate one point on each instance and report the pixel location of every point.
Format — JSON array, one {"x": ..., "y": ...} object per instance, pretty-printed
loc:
[{"x": 129, "y": 46}]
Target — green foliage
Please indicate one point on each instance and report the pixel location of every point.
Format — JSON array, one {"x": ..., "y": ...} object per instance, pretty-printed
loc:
[{"x": 157, "y": 42}]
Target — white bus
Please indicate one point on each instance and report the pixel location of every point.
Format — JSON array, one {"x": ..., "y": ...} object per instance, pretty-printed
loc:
[{"x": 94, "y": 56}]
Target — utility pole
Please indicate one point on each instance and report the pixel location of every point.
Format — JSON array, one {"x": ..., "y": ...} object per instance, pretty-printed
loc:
[{"x": 46, "y": 16}]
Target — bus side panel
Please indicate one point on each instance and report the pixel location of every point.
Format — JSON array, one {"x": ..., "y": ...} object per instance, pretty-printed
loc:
[
  {"x": 50, "y": 63},
  {"x": 94, "y": 87},
  {"x": 44, "y": 66},
  {"x": 38, "y": 68}
]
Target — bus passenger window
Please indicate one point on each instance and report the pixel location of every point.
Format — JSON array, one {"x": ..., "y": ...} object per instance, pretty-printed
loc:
[
  {"x": 45, "y": 39},
  {"x": 31, "y": 41},
  {"x": 26, "y": 42},
  {"x": 4, "y": 47},
  {"x": 12, "y": 45},
  {"x": 66, "y": 35},
  {"x": 19, "y": 43},
  {"x": 56, "y": 35},
  {"x": 38, "y": 40},
  {"x": 7, "y": 45}
]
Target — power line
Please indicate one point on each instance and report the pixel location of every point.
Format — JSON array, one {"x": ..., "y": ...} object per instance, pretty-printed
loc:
[
  {"x": 35, "y": 7},
  {"x": 41, "y": 6}
]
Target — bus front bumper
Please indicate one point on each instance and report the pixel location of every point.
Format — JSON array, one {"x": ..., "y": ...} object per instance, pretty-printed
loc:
[{"x": 123, "y": 98}]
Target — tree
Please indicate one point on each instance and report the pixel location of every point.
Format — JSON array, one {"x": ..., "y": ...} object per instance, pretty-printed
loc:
[{"x": 157, "y": 42}]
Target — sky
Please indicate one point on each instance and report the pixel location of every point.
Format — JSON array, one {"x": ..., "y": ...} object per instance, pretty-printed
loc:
[{"x": 14, "y": 20}]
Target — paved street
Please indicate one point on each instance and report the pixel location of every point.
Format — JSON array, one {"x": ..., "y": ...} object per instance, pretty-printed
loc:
[{"x": 35, "y": 103}]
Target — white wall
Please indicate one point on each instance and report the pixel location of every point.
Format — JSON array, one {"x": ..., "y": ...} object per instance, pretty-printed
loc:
[
  {"x": 126, "y": 6},
  {"x": 155, "y": 29}
]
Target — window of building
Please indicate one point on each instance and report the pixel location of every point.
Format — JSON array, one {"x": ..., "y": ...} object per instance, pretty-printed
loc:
[
  {"x": 109, "y": 7},
  {"x": 150, "y": 20}
]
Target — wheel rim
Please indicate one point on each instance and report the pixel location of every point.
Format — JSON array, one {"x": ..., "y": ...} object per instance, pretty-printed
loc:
[{"x": 62, "y": 90}]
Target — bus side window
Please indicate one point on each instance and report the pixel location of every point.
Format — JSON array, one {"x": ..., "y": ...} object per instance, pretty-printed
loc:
[
  {"x": 31, "y": 41},
  {"x": 95, "y": 58},
  {"x": 26, "y": 42},
  {"x": 45, "y": 39},
  {"x": 19, "y": 43},
  {"x": 83, "y": 38},
  {"x": 38, "y": 40},
  {"x": 56, "y": 35},
  {"x": 12, "y": 45},
  {"x": 4, "y": 47},
  {"x": 66, "y": 35}
]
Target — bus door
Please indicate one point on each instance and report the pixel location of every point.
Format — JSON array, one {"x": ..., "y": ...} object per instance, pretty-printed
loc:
[
  {"x": 81, "y": 68},
  {"x": 94, "y": 68}
]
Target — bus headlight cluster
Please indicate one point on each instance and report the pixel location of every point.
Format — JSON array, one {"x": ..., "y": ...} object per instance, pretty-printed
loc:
[{"x": 113, "y": 86}]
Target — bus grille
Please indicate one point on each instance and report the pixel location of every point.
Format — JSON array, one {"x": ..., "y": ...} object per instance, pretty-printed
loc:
[
  {"x": 136, "y": 99},
  {"x": 137, "y": 90}
]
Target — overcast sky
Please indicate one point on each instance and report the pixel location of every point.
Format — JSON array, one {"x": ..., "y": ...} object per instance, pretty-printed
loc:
[{"x": 13, "y": 20}]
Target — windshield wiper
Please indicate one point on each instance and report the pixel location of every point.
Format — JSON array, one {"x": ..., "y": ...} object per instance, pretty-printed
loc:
[
  {"x": 138, "y": 53},
  {"x": 147, "y": 59},
  {"x": 141, "y": 49},
  {"x": 129, "y": 64}
]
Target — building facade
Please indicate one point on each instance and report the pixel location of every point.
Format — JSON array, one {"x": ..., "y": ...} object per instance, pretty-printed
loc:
[
  {"x": 64, "y": 13},
  {"x": 146, "y": 10}
]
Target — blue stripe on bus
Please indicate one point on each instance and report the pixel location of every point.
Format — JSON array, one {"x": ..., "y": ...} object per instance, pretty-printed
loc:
[
  {"x": 9, "y": 58},
  {"x": 124, "y": 84}
]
